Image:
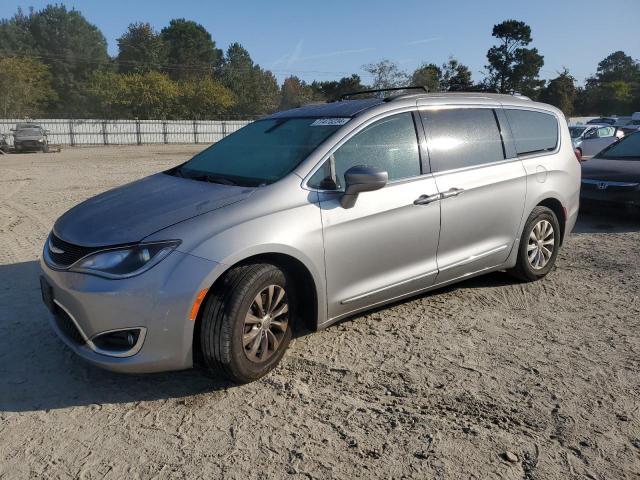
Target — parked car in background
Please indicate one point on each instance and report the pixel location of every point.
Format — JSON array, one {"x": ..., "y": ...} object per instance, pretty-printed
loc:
[
  {"x": 30, "y": 137},
  {"x": 590, "y": 139},
  {"x": 306, "y": 217},
  {"x": 613, "y": 175},
  {"x": 602, "y": 121},
  {"x": 622, "y": 121},
  {"x": 4, "y": 145}
]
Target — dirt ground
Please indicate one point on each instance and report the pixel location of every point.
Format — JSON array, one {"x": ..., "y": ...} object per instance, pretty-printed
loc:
[{"x": 441, "y": 386}]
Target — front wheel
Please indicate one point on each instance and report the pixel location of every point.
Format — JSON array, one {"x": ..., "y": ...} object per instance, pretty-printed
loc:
[
  {"x": 247, "y": 322},
  {"x": 539, "y": 245}
]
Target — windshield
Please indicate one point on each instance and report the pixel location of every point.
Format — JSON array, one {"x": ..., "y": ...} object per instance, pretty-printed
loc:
[
  {"x": 576, "y": 131},
  {"x": 262, "y": 152},
  {"x": 628, "y": 149}
]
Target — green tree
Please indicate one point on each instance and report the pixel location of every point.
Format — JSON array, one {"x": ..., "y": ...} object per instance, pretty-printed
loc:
[
  {"x": 455, "y": 76},
  {"x": 190, "y": 49},
  {"x": 147, "y": 95},
  {"x": 332, "y": 90},
  {"x": 15, "y": 35},
  {"x": 25, "y": 87},
  {"x": 618, "y": 67},
  {"x": 140, "y": 49},
  {"x": 428, "y": 76},
  {"x": 512, "y": 67},
  {"x": 614, "y": 89},
  {"x": 561, "y": 92},
  {"x": 72, "y": 48},
  {"x": 386, "y": 74},
  {"x": 203, "y": 98},
  {"x": 296, "y": 93},
  {"x": 255, "y": 90}
]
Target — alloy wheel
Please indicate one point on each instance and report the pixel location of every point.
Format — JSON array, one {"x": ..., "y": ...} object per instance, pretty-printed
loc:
[
  {"x": 541, "y": 244},
  {"x": 265, "y": 324}
]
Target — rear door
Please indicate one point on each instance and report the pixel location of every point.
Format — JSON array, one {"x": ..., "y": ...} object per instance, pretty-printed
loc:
[{"x": 481, "y": 184}]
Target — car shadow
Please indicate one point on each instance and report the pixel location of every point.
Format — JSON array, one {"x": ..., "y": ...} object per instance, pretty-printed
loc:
[
  {"x": 606, "y": 219},
  {"x": 37, "y": 372}
]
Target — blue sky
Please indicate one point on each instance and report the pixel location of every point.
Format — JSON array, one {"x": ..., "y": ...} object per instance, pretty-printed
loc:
[{"x": 329, "y": 39}]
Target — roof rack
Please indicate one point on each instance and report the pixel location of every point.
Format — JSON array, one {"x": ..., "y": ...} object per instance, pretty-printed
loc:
[{"x": 344, "y": 96}]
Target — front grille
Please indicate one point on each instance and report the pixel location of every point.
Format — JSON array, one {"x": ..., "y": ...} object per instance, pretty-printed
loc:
[
  {"x": 70, "y": 253},
  {"x": 67, "y": 327}
]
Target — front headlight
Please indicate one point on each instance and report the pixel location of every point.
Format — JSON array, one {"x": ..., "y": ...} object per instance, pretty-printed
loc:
[{"x": 125, "y": 262}]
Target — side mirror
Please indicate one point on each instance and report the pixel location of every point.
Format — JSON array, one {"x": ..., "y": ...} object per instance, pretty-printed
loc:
[{"x": 359, "y": 179}]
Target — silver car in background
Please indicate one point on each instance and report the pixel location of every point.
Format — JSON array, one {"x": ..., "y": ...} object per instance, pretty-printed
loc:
[
  {"x": 304, "y": 218},
  {"x": 589, "y": 140}
]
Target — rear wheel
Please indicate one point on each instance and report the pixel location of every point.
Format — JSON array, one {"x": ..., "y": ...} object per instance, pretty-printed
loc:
[
  {"x": 538, "y": 246},
  {"x": 247, "y": 322}
]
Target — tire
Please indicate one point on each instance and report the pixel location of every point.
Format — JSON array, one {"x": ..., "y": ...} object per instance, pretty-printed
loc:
[
  {"x": 18, "y": 148},
  {"x": 45, "y": 148},
  {"x": 226, "y": 322},
  {"x": 528, "y": 270}
]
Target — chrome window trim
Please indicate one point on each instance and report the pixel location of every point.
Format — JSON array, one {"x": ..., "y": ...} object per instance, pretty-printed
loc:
[{"x": 476, "y": 167}]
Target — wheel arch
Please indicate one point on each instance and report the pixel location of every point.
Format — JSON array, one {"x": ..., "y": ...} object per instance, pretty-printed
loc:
[
  {"x": 558, "y": 209},
  {"x": 302, "y": 277}
]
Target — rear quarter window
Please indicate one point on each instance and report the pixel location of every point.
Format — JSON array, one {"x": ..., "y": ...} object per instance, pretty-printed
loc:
[{"x": 533, "y": 132}]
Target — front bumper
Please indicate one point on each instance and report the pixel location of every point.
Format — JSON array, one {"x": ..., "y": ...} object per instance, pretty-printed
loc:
[
  {"x": 607, "y": 192},
  {"x": 30, "y": 144},
  {"x": 158, "y": 302}
]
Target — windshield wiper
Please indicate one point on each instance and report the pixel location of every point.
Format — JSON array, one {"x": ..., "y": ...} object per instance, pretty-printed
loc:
[
  {"x": 216, "y": 179},
  {"x": 203, "y": 177}
]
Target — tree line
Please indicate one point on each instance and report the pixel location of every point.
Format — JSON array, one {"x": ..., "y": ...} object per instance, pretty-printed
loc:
[{"x": 53, "y": 62}]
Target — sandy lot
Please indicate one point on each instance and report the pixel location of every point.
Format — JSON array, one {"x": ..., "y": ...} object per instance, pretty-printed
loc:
[{"x": 440, "y": 386}]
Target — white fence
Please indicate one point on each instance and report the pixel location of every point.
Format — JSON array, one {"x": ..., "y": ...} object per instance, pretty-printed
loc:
[{"x": 129, "y": 132}]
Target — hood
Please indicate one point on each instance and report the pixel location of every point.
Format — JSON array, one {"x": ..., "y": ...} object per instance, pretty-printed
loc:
[
  {"x": 611, "y": 170},
  {"x": 134, "y": 211}
]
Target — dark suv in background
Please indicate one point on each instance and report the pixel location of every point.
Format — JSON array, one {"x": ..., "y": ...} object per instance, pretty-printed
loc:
[{"x": 30, "y": 136}]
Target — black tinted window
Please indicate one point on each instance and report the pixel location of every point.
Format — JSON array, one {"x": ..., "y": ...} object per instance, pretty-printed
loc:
[
  {"x": 462, "y": 137},
  {"x": 533, "y": 131},
  {"x": 389, "y": 144}
]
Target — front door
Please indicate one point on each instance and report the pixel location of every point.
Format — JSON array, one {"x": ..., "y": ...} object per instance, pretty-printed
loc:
[{"x": 384, "y": 246}]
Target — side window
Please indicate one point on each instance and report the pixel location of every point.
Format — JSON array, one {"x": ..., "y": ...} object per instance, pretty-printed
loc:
[
  {"x": 462, "y": 137},
  {"x": 606, "y": 132},
  {"x": 533, "y": 132},
  {"x": 389, "y": 144},
  {"x": 590, "y": 134}
]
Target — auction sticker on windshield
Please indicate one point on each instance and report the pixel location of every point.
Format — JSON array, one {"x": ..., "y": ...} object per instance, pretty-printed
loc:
[{"x": 324, "y": 122}]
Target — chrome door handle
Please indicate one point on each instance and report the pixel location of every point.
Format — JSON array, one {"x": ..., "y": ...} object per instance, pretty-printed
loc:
[
  {"x": 452, "y": 192},
  {"x": 426, "y": 199}
]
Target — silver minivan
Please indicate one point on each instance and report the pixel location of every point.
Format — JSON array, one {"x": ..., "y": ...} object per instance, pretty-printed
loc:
[{"x": 306, "y": 217}]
